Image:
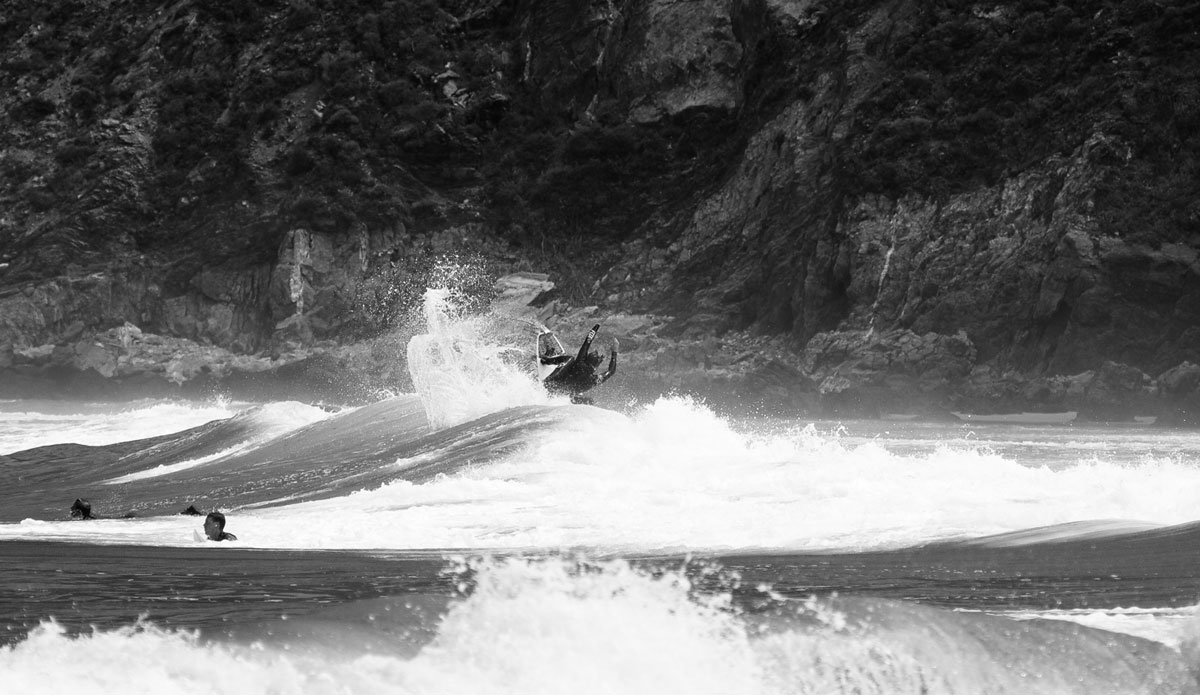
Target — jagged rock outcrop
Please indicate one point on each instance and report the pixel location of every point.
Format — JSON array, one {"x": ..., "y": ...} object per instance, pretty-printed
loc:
[
  {"x": 669, "y": 57},
  {"x": 1181, "y": 386},
  {"x": 1024, "y": 269}
]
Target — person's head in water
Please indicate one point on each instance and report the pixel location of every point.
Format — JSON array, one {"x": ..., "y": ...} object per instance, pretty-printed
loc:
[
  {"x": 81, "y": 509},
  {"x": 214, "y": 527}
]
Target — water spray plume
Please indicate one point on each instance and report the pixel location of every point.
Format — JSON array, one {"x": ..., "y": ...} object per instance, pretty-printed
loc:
[{"x": 461, "y": 369}]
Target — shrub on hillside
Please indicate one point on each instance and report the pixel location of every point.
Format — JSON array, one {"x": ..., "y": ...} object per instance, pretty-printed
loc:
[
  {"x": 75, "y": 151},
  {"x": 35, "y": 108}
]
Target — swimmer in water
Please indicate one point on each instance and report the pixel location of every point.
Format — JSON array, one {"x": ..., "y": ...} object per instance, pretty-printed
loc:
[
  {"x": 214, "y": 528},
  {"x": 81, "y": 509}
]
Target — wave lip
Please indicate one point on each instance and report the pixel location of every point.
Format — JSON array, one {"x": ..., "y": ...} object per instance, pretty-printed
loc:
[
  {"x": 29, "y": 424},
  {"x": 1092, "y": 530}
]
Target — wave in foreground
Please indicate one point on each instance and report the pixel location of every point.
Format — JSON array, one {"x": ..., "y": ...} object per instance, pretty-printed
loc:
[{"x": 555, "y": 626}]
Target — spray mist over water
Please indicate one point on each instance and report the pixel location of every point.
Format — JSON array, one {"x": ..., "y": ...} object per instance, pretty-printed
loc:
[{"x": 462, "y": 369}]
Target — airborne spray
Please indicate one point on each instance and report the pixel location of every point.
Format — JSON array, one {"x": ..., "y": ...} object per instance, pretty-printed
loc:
[{"x": 463, "y": 367}]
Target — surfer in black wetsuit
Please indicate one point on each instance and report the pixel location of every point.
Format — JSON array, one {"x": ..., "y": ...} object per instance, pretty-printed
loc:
[
  {"x": 81, "y": 509},
  {"x": 214, "y": 528},
  {"x": 577, "y": 374}
]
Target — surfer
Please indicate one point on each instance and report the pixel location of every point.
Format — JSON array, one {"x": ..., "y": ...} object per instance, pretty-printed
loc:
[
  {"x": 574, "y": 375},
  {"x": 214, "y": 528},
  {"x": 81, "y": 509}
]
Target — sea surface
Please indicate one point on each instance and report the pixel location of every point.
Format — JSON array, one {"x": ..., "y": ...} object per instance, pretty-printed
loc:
[{"x": 476, "y": 536}]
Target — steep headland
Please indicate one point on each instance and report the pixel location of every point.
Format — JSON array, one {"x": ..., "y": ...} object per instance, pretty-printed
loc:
[{"x": 828, "y": 208}]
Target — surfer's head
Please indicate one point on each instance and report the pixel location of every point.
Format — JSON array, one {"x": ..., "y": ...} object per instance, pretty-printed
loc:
[
  {"x": 81, "y": 509},
  {"x": 594, "y": 358},
  {"x": 214, "y": 524}
]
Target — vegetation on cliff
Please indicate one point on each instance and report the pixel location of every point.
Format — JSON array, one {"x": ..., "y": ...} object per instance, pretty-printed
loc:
[
  {"x": 265, "y": 116},
  {"x": 188, "y": 139},
  {"x": 973, "y": 94},
  {"x": 269, "y": 115}
]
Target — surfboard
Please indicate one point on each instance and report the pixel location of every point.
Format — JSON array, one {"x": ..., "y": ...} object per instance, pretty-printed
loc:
[{"x": 546, "y": 343}]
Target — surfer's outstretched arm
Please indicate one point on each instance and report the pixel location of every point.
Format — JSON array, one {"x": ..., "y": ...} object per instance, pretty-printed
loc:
[
  {"x": 612, "y": 366},
  {"x": 587, "y": 343},
  {"x": 552, "y": 354}
]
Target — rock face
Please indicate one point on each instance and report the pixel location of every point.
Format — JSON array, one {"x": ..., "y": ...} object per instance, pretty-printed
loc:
[
  {"x": 672, "y": 56},
  {"x": 1022, "y": 275},
  {"x": 831, "y": 208}
]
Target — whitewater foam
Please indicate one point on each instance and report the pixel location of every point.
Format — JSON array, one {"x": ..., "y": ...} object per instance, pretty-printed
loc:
[
  {"x": 555, "y": 625},
  {"x": 674, "y": 476}
]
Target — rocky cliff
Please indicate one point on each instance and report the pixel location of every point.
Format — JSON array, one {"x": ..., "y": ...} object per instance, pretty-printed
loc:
[{"x": 817, "y": 207}]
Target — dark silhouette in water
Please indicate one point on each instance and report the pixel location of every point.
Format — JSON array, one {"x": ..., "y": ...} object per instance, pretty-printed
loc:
[
  {"x": 81, "y": 509},
  {"x": 577, "y": 374},
  {"x": 192, "y": 511},
  {"x": 214, "y": 528}
]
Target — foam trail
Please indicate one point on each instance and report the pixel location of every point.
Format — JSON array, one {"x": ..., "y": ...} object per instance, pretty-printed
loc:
[
  {"x": 1170, "y": 626},
  {"x": 265, "y": 423},
  {"x": 176, "y": 467}
]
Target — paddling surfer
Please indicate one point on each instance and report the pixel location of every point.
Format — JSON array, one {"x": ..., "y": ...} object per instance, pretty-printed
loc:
[
  {"x": 574, "y": 375},
  {"x": 81, "y": 509}
]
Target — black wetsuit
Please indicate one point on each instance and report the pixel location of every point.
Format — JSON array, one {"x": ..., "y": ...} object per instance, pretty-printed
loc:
[
  {"x": 577, "y": 374},
  {"x": 81, "y": 509}
]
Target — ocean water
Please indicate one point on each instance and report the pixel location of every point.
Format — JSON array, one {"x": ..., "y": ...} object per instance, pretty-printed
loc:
[{"x": 478, "y": 536}]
